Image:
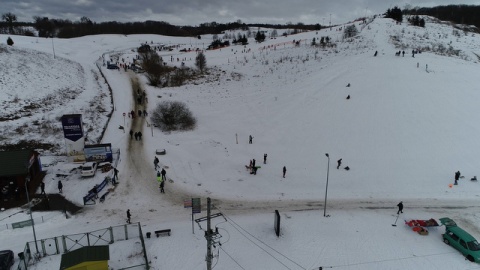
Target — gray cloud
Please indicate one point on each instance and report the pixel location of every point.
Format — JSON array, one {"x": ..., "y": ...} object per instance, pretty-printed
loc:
[{"x": 190, "y": 12}]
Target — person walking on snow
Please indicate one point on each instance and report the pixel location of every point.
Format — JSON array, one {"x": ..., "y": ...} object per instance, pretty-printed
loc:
[
  {"x": 339, "y": 163},
  {"x": 164, "y": 174},
  {"x": 139, "y": 135},
  {"x": 131, "y": 134},
  {"x": 115, "y": 176},
  {"x": 128, "y": 216},
  {"x": 264, "y": 158},
  {"x": 160, "y": 181},
  {"x": 60, "y": 186},
  {"x": 42, "y": 188},
  {"x": 155, "y": 162},
  {"x": 162, "y": 185},
  {"x": 400, "y": 208},
  {"x": 250, "y": 139},
  {"x": 284, "y": 171},
  {"x": 457, "y": 176}
]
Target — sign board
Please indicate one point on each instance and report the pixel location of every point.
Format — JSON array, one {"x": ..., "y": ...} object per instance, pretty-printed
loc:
[
  {"x": 99, "y": 152},
  {"x": 187, "y": 203},
  {"x": 22, "y": 224},
  {"x": 74, "y": 137},
  {"x": 276, "y": 223},
  {"x": 196, "y": 206}
]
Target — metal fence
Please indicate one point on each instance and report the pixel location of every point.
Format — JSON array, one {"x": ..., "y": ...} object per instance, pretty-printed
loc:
[
  {"x": 66, "y": 243},
  {"x": 27, "y": 222}
]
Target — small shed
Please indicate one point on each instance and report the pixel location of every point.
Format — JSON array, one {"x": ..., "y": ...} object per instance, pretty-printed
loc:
[
  {"x": 86, "y": 258},
  {"x": 17, "y": 167}
]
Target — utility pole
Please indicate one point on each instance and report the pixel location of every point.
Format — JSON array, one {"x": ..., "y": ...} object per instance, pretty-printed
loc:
[
  {"x": 211, "y": 235},
  {"x": 208, "y": 236}
]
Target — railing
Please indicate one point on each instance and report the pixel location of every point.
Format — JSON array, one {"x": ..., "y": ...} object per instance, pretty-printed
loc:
[{"x": 66, "y": 243}]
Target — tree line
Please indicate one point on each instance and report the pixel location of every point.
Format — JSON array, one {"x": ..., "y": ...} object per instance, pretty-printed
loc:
[
  {"x": 460, "y": 14},
  {"x": 63, "y": 28}
]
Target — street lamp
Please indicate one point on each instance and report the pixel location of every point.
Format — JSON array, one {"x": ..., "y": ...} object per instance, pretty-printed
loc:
[
  {"x": 326, "y": 188},
  {"x": 31, "y": 218}
]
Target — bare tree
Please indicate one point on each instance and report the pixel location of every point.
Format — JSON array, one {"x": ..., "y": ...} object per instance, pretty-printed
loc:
[
  {"x": 201, "y": 61},
  {"x": 9, "y": 18},
  {"x": 274, "y": 33},
  {"x": 153, "y": 65},
  {"x": 350, "y": 31}
]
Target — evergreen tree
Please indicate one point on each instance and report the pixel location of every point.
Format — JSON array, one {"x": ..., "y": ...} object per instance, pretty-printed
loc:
[
  {"x": 201, "y": 61},
  {"x": 260, "y": 36},
  {"x": 394, "y": 13}
]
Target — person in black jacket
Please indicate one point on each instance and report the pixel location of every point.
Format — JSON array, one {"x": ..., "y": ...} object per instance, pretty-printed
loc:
[
  {"x": 164, "y": 174},
  {"x": 457, "y": 176},
  {"x": 60, "y": 186},
  {"x": 400, "y": 208},
  {"x": 42, "y": 188}
]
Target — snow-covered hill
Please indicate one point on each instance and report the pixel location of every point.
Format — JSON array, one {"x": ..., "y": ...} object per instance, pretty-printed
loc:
[{"x": 409, "y": 125}]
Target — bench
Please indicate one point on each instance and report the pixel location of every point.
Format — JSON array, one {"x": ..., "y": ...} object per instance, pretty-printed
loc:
[{"x": 160, "y": 232}]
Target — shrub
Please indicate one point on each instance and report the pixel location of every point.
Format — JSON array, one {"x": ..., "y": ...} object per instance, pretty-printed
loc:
[
  {"x": 9, "y": 41},
  {"x": 173, "y": 115}
]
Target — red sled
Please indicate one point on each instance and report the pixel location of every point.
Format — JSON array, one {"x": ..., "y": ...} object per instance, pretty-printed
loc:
[
  {"x": 418, "y": 225},
  {"x": 422, "y": 223}
]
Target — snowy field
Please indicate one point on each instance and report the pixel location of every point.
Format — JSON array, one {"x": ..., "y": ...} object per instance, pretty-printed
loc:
[{"x": 410, "y": 124}]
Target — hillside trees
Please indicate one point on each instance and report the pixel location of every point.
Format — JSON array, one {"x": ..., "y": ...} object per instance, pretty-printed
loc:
[
  {"x": 260, "y": 36},
  {"x": 460, "y": 14},
  {"x": 394, "y": 13},
  {"x": 10, "y": 19},
  {"x": 350, "y": 31},
  {"x": 240, "y": 39},
  {"x": 417, "y": 21},
  {"x": 218, "y": 44},
  {"x": 44, "y": 26},
  {"x": 201, "y": 61}
]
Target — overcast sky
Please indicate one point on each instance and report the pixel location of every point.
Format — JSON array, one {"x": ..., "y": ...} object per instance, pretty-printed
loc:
[{"x": 194, "y": 12}]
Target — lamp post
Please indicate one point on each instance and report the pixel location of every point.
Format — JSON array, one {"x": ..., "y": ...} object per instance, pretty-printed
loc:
[
  {"x": 326, "y": 187},
  {"x": 53, "y": 48},
  {"x": 30, "y": 209}
]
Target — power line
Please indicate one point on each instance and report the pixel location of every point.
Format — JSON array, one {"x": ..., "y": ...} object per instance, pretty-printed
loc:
[
  {"x": 234, "y": 224},
  {"x": 380, "y": 261},
  {"x": 232, "y": 258},
  {"x": 258, "y": 245}
]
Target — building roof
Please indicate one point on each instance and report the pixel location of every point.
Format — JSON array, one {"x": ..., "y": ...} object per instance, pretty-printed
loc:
[
  {"x": 85, "y": 254},
  {"x": 14, "y": 162}
]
